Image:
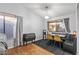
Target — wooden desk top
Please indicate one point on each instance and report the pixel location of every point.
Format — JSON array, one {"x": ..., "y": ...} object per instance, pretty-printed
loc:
[
  {"x": 30, "y": 49},
  {"x": 55, "y": 34}
]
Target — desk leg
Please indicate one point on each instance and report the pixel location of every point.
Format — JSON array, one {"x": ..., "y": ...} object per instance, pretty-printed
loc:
[
  {"x": 54, "y": 44},
  {"x": 60, "y": 44}
]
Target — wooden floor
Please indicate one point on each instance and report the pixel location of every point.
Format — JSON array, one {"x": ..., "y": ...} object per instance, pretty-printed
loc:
[{"x": 30, "y": 49}]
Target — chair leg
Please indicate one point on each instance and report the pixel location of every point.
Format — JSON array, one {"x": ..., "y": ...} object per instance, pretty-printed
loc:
[
  {"x": 54, "y": 43},
  {"x": 32, "y": 41},
  {"x": 60, "y": 44},
  {"x": 23, "y": 42},
  {"x": 26, "y": 43}
]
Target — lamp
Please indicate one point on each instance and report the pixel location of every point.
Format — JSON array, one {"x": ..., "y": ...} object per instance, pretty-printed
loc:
[
  {"x": 74, "y": 32},
  {"x": 46, "y": 7},
  {"x": 46, "y": 17}
]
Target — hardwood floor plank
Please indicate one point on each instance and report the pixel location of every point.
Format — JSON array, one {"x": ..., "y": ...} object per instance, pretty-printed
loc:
[{"x": 30, "y": 49}]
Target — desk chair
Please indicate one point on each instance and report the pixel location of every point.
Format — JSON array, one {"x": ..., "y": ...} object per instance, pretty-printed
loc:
[
  {"x": 3, "y": 47},
  {"x": 50, "y": 38},
  {"x": 57, "y": 38}
]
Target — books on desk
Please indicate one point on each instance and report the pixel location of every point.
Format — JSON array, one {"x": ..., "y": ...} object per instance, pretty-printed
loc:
[{"x": 60, "y": 33}]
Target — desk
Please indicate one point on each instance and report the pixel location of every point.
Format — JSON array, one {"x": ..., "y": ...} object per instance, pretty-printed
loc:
[
  {"x": 60, "y": 39},
  {"x": 61, "y": 35}
]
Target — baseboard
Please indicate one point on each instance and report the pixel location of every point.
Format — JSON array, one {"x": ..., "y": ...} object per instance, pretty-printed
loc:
[{"x": 10, "y": 47}]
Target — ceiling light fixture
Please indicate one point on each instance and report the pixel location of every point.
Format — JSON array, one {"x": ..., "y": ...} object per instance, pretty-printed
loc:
[
  {"x": 46, "y": 8},
  {"x": 46, "y": 17}
]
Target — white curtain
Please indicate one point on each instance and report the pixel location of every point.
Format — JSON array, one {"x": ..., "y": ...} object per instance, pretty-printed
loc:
[
  {"x": 19, "y": 32},
  {"x": 66, "y": 22}
]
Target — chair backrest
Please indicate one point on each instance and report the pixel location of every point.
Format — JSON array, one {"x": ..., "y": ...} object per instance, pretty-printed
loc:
[
  {"x": 57, "y": 38},
  {"x": 49, "y": 37}
]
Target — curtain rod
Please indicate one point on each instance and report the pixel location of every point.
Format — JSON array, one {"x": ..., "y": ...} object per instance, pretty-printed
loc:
[{"x": 9, "y": 14}]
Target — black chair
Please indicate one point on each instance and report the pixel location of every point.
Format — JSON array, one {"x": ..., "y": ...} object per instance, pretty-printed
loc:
[
  {"x": 5, "y": 44},
  {"x": 28, "y": 37},
  {"x": 3, "y": 48},
  {"x": 70, "y": 44}
]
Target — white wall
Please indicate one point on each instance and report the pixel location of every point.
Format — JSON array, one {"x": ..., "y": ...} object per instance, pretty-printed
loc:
[
  {"x": 72, "y": 19},
  {"x": 32, "y": 23}
]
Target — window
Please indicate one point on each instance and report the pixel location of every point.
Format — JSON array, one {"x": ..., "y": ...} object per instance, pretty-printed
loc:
[
  {"x": 8, "y": 25},
  {"x": 56, "y": 26},
  {"x": 1, "y": 24}
]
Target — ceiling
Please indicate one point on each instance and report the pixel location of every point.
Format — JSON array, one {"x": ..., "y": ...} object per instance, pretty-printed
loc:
[
  {"x": 51, "y": 9},
  {"x": 46, "y": 9}
]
